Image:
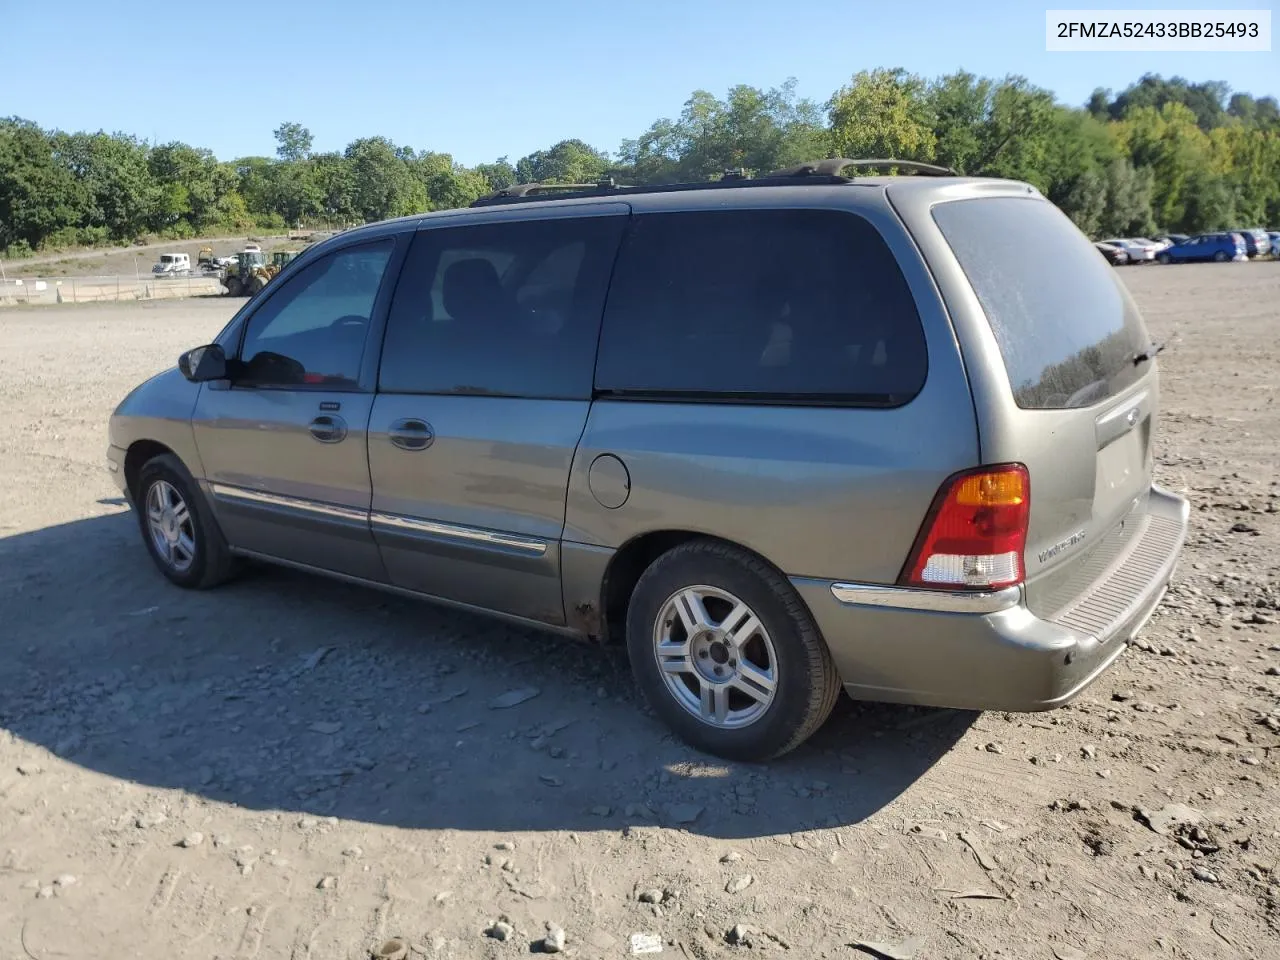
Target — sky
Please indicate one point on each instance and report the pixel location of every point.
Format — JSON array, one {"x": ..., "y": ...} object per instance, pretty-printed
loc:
[{"x": 498, "y": 78}]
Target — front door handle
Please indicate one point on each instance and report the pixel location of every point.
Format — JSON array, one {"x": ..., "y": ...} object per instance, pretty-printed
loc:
[
  {"x": 328, "y": 429},
  {"x": 411, "y": 434}
]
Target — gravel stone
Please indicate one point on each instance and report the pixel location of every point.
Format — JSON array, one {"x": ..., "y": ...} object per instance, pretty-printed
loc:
[
  {"x": 513, "y": 698},
  {"x": 501, "y": 930},
  {"x": 554, "y": 941},
  {"x": 740, "y": 883}
]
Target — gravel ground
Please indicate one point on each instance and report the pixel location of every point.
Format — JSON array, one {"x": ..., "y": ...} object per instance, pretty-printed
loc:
[{"x": 289, "y": 767}]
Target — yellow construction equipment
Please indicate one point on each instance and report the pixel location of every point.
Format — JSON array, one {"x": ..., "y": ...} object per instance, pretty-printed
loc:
[
  {"x": 247, "y": 275},
  {"x": 251, "y": 271}
]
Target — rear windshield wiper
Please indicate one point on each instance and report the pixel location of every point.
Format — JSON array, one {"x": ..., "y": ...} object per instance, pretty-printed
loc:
[{"x": 1148, "y": 354}]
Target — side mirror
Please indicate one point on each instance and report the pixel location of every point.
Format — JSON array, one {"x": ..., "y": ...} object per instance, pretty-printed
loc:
[{"x": 204, "y": 363}]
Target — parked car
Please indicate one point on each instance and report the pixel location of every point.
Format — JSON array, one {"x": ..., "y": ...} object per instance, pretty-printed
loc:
[
  {"x": 1207, "y": 246},
  {"x": 1169, "y": 239},
  {"x": 1138, "y": 252},
  {"x": 1257, "y": 242},
  {"x": 674, "y": 418},
  {"x": 1157, "y": 245},
  {"x": 172, "y": 265},
  {"x": 1114, "y": 255}
]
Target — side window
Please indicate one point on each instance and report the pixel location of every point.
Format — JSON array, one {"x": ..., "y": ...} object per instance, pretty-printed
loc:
[
  {"x": 782, "y": 304},
  {"x": 501, "y": 309},
  {"x": 312, "y": 331}
]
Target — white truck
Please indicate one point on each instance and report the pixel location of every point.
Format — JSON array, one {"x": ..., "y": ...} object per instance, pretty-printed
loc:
[{"x": 173, "y": 265}]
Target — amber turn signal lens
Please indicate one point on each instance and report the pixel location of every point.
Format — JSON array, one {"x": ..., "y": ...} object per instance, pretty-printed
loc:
[{"x": 1003, "y": 489}]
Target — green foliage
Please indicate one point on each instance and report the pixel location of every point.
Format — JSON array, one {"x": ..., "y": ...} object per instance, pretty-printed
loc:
[
  {"x": 882, "y": 113},
  {"x": 569, "y": 161},
  {"x": 293, "y": 142},
  {"x": 751, "y": 129},
  {"x": 1159, "y": 155},
  {"x": 1203, "y": 100},
  {"x": 959, "y": 105},
  {"x": 38, "y": 194},
  {"x": 383, "y": 181},
  {"x": 498, "y": 175}
]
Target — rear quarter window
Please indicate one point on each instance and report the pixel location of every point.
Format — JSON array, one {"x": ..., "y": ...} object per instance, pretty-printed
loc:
[
  {"x": 1065, "y": 324},
  {"x": 760, "y": 306}
]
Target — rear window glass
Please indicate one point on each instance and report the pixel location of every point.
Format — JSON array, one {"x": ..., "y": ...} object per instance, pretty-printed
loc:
[
  {"x": 1066, "y": 326},
  {"x": 789, "y": 305}
]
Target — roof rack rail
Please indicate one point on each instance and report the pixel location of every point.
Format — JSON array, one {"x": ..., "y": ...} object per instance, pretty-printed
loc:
[
  {"x": 520, "y": 191},
  {"x": 808, "y": 174},
  {"x": 833, "y": 166}
]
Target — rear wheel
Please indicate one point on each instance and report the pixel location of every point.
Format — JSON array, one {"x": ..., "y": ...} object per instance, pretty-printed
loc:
[
  {"x": 1221, "y": 256},
  {"x": 726, "y": 653},
  {"x": 178, "y": 527}
]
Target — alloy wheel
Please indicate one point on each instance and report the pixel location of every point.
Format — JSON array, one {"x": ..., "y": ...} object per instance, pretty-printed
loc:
[
  {"x": 171, "y": 525},
  {"x": 716, "y": 657}
]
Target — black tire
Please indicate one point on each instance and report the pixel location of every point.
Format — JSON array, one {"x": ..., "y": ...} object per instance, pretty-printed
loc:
[
  {"x": 1221, "y": 257},
  {"x": 807, "y": 684},
  {"x": 211, "y": 562},
  {"x": 233, "y": 286},
  {"x": 1165, "y": 258}
]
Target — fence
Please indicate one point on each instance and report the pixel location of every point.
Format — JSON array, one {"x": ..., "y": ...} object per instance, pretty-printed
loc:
[{"x": 94, "y": 289}]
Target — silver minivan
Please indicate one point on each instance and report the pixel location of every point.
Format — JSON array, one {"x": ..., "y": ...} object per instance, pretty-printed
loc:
[{"x": 779, "y": 435}]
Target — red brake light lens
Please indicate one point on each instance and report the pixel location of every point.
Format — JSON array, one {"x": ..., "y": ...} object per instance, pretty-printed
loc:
[{"x": 976, "y": 532}]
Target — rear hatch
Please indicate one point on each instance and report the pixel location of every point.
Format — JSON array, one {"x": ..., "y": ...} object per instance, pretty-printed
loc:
[{"x": 1069, "y": 389}]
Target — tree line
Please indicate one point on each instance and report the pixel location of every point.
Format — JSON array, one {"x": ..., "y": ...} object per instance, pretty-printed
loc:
[{"x": 1161, "y": 155}]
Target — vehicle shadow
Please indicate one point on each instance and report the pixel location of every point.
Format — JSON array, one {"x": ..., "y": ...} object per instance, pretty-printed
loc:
[{"x": 289, "y": 692}]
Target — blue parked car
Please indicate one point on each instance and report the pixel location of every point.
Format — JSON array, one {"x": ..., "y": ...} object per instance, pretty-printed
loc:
[
  {"x": 1207, "y": 246},
  {"x": 1257, "y": 243}
]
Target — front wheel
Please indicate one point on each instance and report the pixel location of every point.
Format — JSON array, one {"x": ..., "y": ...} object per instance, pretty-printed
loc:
[
  {"x": 1165, "y": 258},
  {"x": 177, "y": 526},
  {"x": 726, "y": 653}
]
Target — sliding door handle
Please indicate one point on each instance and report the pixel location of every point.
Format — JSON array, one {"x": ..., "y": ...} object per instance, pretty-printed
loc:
[
  {"x": 411, "y": 434},
  {"x": 328, "y": 429}
]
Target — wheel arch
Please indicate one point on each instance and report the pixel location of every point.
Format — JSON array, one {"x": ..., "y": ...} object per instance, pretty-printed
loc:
[
  {"x": 629, "y": 563},
  {"x": 139, "y": 452}
]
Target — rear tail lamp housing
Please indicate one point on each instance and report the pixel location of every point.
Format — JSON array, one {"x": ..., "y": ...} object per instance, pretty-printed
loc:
[{"x": 975, "y": 534}]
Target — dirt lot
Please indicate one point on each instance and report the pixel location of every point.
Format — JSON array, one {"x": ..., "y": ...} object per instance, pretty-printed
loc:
[
  {"x": 288, "y": 767},
  {"x": 134, "y": 260}
]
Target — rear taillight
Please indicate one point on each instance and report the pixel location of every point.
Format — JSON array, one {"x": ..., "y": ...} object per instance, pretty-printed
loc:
[{"x": 975, "y": 533}]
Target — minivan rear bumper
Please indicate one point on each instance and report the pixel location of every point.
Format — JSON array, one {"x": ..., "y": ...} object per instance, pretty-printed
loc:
[{"x": 988, "y": 651}]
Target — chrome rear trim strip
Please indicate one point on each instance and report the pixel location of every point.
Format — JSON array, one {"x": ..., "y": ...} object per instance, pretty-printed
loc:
[{"x": 936, "y": 601}]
